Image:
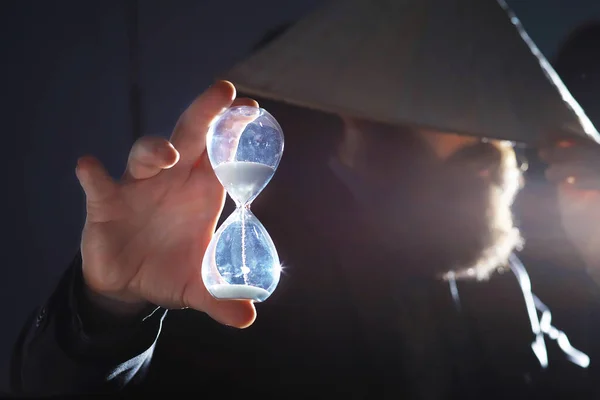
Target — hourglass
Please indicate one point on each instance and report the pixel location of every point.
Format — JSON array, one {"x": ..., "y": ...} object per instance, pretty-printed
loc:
[{"x": 244, "y": 145}]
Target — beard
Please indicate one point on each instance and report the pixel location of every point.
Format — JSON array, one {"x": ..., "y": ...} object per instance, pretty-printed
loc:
[
  {"x": 476, "y": 232},
  {"x": 456, "y": 217}
]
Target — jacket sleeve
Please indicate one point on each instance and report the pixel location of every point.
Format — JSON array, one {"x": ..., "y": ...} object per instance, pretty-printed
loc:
[{"x": 69, "y": 346}]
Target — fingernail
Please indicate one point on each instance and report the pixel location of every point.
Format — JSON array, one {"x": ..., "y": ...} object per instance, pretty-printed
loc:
[{"x": 163, "y": 150}]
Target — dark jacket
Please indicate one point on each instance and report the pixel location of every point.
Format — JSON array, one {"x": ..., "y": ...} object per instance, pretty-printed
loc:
[{"x": 343, "y": 322}]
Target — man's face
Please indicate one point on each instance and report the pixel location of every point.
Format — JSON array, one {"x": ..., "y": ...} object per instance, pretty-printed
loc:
[{"x": 444, "y": 194}]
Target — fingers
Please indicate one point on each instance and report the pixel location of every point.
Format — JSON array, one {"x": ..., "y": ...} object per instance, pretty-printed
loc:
[
  {"x": 245, "y": 101},
  {"x": 232, "y": 128},
  {"x": 148, "y": 156},
  {"x": 237, "y": 313},
  {"x": 97, "y": 184},
  {"x": 190, "y": 132}
]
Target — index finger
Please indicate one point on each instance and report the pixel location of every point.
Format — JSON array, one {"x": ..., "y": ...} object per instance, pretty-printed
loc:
[
  {"x": 189, "y": 135},
  {"x": 231, "y": 130}
]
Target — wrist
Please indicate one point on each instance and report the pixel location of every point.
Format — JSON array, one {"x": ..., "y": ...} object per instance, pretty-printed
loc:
[
  {"x": 100, "y": 314},
  {"x": 103, "y": 327},
  {"x": 114, "y": 305}
]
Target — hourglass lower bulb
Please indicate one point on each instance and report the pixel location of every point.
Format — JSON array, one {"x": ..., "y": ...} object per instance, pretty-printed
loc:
[{"x": 244, "y": 145}]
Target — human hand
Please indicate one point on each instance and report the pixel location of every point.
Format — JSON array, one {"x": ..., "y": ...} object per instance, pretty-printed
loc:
[
  {"x": 145, "y": 236},
  {"x": 574, "y": 166}
]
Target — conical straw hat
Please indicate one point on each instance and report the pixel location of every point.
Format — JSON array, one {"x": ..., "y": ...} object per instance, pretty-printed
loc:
[{"x": 462, "y": 66}]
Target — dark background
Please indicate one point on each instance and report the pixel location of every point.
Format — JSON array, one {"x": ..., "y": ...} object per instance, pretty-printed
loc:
[{"x": 68, "y": 72}]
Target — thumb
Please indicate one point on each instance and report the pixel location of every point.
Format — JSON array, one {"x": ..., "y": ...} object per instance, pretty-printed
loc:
[
  {"x": 236, "y": 313},
  {"x": 95, "y": 181}
]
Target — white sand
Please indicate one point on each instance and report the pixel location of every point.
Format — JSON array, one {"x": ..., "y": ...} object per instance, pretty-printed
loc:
[
  {"x": 238, "y": 292},
  {"x": 243, "y": 180}
]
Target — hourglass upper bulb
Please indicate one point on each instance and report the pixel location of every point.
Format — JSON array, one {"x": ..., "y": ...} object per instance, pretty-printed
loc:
[{"x": 244, "y": 145}]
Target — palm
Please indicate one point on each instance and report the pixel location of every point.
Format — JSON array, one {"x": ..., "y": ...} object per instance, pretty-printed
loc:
[{"x": 150, "y": 238}]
